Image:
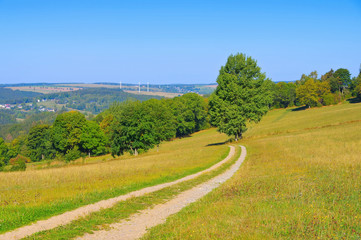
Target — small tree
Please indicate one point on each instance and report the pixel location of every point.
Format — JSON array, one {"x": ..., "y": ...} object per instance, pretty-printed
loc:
[
  {"x": 243, "y": 94},
  {"x": 343, "y": 79},
  {"x": 307, "y": 93}
]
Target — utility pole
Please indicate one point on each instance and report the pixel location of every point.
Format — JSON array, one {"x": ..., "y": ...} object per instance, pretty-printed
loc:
[
  {"x": 147, "y": 86},
  {"x": 139, "y": 87}
]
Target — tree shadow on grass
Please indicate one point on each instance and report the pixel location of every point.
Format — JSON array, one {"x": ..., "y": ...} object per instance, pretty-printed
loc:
[
  {"x": 220, "y": 143},
  {"x": 299, "y": 109},
  {"x": 354, "y": 100}
]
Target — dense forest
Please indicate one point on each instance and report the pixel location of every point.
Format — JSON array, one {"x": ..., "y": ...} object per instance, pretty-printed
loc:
[{"x": 12, "y": 97}]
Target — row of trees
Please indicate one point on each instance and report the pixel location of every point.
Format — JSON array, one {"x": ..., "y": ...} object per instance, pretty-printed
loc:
[
  {"x": 130, "y": 126},
  {"x": 312, "y": 91},
  {"x": 244, "y": 94}
]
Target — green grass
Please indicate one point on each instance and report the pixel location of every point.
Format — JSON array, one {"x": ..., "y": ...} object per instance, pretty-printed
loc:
[
  {"x": 122, "y": 210},
  {"x": 38, "y": 194},
  {"x": 301, "y": 180}
]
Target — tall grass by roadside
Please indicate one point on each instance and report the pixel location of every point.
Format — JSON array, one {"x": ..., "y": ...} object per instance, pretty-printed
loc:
[
  {"x": 32, "y": 195},
  {"x": 301, "y": 180},
  {"x": 122, "y": 210}
]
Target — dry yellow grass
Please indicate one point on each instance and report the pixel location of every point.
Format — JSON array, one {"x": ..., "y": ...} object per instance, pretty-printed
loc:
[
  {"x": 301, "y": 180},
  {"x": 44, "y": 89},
  {"x": 31, "y": 195}
]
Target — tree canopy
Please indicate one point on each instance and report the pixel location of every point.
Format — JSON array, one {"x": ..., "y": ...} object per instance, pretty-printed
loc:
[{"x": 243, "y": 94}]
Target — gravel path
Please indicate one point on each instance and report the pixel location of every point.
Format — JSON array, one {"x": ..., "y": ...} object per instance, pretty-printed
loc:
[
  {"x": 137, "y": 225},
  {"x": 70, "y": 216}
]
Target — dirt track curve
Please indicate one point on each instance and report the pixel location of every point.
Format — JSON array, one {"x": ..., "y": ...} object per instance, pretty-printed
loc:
[
  {"x": 70, "y": 216},
  {"x": 137, "y": 225}
]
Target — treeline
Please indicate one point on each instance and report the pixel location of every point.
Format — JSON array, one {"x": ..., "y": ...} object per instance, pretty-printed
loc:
[
  {"x": 94, "y": 100},
  {"x": 8, "y": 96},
  {"x": 312, "y": 90},
  {"x": 11, "y": 131},
  {"x": 130, "y": 126}
]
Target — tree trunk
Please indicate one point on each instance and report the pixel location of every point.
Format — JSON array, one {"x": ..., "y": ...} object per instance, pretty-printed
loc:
[
  {"x": 157, "y": 147},
  {"x": 237, "y": 136},
  {"x": 135, "y": 152},
  {"x": 89, "y": 153},
  {"x": 132, "y": 150}
]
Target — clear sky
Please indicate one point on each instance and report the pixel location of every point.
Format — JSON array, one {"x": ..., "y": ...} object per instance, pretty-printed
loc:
[{"x": 173, "y": 41}]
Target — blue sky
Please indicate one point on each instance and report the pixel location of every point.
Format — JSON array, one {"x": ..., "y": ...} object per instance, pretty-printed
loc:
[{"x": 173, "y": 42}]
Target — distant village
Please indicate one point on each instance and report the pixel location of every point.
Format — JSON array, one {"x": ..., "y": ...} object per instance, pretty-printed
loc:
[{"x": 28, "y": 106}]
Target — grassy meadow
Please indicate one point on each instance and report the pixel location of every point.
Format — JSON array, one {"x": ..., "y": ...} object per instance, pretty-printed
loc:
[
  {"x": 38, "y": 194},
  {"x": 301, "y": 180}
]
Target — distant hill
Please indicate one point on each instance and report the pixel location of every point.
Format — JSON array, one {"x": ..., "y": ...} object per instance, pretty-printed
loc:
[
  {"x": 94, "y": 100},
  {"x": 8, "y": 96}
]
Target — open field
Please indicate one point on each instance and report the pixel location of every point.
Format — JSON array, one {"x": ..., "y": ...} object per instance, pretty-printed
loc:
[
  {"x": 162, "y": 94},
  {"x": 45, "y": 89},
  {"x": 301, "y": 180},
  {"x": 38, "y": 194},
  {"x": 123, "y": 210}
]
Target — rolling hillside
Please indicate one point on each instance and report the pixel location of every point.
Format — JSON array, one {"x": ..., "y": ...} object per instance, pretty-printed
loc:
[{"x": 301, "y": 180}]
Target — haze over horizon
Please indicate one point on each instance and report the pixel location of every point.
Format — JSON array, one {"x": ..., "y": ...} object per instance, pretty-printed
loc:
[{"x": 163, "y": 42}]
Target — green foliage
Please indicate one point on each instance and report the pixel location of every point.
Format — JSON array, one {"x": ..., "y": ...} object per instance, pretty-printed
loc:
[
  {"x": 67, "y": 130},
  {"x": 328, "y": 99},
  {"x": 7, "y": 117},
  {"x": 92, "y": 139},
  {"x": 11, "y": 97},
  {"x": 132, "y": 129},
  {"x": 135, "y": 126},
  {"x": 18, "y": 163},
  {"x": 72, "y": 154},
  {"x": 243, "y": 94},
  {"x": 160, "y": 113},
  {"x": 284, "y": 95},
  {"x": 40, "y": 143},
  {"x": 313, "y": 92},
  {"x": 12, "y": 131},
  {"x": 190, "y": 111},
  {"x": 95, "y": 100},
  {"x": 3, "y": 154},
  {"x": 358, "y": 90},
  {"x": 343, "y": 76}
]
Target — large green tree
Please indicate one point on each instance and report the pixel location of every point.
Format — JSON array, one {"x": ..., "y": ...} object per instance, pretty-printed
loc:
[
  {"x": 190, "y": 111},
  {"x": 3, "y": 153},
  {"x": 132, "y": 129},
  {"x": 284, "y": 94},
  {"x": 243, "y": 94},
  {"x": 92, "y": 139},
  {"x": 342, "y": 79},
  {"x": 40, "y": 143},
  {"x": 67, "y": 131}
]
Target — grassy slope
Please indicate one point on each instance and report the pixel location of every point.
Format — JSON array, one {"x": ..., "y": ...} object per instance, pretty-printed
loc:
[
  {"x": 32, "y": 195},
  {"x": 301, "y": 180},
  {"x": 122, "y": 210}
]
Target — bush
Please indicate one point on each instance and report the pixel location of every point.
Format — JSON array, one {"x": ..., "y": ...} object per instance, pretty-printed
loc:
[
  {"x": 328, "y": 99},
  {"x": 18, "y": 163},
  {"x": 72, "y": 154}
]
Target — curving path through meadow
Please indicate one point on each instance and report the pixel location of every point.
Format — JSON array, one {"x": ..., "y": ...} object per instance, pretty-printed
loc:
[
  {"x": 75, "y": 214},
  {"x": 136, "y": 226}
]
